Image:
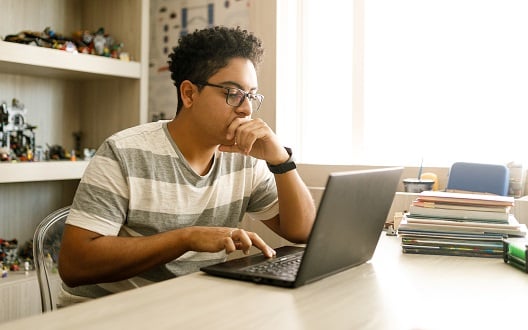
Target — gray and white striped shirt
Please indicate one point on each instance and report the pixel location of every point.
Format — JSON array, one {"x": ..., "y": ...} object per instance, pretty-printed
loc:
[{"x": 139, "y": 183}]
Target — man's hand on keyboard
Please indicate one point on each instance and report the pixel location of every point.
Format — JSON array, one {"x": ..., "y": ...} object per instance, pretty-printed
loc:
[
  {"x": 239, "y": 239},
  {"x": 215, "y": 239}
]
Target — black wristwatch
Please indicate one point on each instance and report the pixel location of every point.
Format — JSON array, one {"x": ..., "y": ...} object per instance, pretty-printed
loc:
[{"x": 284, "y": 167}]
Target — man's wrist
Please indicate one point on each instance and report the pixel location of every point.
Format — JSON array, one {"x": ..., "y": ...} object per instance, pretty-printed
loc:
[{"x": 287, "y": 166}]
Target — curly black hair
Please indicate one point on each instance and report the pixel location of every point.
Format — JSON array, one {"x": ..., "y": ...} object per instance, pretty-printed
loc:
[{"x": 201, "y": 54}]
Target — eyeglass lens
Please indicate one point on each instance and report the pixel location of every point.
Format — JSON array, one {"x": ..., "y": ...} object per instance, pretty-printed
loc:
[{"x": 236, "y": 97}]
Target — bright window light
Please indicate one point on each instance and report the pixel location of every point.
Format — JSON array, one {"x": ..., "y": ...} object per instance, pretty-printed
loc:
[
  {"x": 314, "y": 89},
  {"x": 384, "y": 82}
]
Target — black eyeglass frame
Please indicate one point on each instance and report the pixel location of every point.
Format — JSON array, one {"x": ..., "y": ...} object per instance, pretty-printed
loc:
[{"x": 250, "y": 96}]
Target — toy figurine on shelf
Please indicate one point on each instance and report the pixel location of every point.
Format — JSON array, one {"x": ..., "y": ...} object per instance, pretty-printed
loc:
[
  {"x": 5, "y": 151},
  {"x": 83, "y": 39},
  {"x": 88, "y": 153},
  {"x": 8, "y": 252},
  {"x": 57, "y": 152},
  {"x": 5, "y": 154},
  {"x": 17, "y": 137},
  {"x": 98, "y": 43}
]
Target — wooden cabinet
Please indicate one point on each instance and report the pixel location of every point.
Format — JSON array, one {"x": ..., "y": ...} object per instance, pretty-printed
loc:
[{"x": 67, "y": 93}]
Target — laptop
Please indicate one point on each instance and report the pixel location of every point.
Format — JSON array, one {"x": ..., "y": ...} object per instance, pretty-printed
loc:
[{"x": 350, "y": 219}]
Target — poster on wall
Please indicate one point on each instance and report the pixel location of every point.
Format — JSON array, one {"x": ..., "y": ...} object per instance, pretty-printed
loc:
[{"x": 170, "y": 19}]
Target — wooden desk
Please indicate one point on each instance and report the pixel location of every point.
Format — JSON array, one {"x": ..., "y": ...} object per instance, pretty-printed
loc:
[{"x": 393, "y": 291}]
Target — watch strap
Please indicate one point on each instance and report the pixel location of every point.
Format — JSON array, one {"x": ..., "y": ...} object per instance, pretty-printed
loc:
[{"x": 284, "y": 167}]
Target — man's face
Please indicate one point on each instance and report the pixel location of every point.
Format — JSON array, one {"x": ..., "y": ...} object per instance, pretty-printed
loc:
[{"x": 210, "y": 107}]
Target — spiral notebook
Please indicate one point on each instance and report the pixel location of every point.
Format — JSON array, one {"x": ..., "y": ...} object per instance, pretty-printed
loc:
[{"x": 349, "y": 221}]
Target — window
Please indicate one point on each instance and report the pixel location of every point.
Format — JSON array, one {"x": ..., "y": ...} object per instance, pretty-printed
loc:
[
  {"x": 314, "y": 90},
  {"x": 384, "y": 82}
]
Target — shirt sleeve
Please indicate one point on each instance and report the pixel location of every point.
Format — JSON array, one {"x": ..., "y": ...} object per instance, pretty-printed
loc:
[{"x": 101, "y": 200}]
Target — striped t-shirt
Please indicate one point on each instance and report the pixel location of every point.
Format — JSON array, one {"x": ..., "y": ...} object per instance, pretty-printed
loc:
[{"x": 139, "y": 183}]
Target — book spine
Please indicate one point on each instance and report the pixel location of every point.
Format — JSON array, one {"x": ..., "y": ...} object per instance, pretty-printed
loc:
[{"x": 457, "y": 214}]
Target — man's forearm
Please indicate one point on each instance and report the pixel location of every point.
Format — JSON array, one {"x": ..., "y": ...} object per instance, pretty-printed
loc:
[
  {"x": 86, "y": 259},
  {"x": 297, "y": 209}
]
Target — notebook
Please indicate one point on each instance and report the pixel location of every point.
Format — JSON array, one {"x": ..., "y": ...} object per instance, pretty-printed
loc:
[{"x": 350, "y": 219}]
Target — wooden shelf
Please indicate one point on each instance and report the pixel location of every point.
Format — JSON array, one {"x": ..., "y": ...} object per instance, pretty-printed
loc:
[
  {"x": 38, "y": 61},
  {"x": 41, "y": 171},
  {"x": 65, "y": 93}
]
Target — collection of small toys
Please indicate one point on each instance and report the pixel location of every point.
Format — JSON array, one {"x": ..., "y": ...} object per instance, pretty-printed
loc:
[
  {"x": 8, "y": 255},
  {"x": 12, "y": 258},
  {"x": 17, "y": 137},
  {"x": 83, "y": 41}
]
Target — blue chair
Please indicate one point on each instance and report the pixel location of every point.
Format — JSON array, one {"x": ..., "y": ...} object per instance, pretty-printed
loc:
[{"x": 479, "y": 178}]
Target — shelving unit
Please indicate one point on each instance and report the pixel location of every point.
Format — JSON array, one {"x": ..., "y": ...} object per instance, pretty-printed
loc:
[
  {"x": 38, "y": 61},
  {"x": 66, "y": 93},
  {"x": 41, "y": 171}
]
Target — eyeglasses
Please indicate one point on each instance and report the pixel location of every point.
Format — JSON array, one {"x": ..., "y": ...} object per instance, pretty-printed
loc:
[{"x": 235, "y": 96}]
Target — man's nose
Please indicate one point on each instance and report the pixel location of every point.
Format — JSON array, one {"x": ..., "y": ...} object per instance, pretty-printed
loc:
[{"x": 245, "y": 109}]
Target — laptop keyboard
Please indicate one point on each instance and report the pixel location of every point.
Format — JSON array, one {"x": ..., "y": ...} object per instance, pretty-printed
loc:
[{"x": 285, "y": 267}]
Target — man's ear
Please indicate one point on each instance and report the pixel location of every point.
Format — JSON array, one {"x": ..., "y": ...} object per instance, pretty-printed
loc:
[{"x": 187, "y": 92}]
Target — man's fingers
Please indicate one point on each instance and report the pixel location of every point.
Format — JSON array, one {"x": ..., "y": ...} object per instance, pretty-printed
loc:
[
  {"x": 244, "y": 133},
  {"x": 243, "y": 240},
  {"x": 229, "y": 245},
  {"x": 261, "y": 245}
]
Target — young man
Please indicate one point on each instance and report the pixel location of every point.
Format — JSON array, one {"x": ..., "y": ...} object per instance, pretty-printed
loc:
[{"x": 163, "y": 199}]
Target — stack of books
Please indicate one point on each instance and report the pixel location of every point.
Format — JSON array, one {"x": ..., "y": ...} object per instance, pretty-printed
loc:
[{"x": 463, "y": 224}]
